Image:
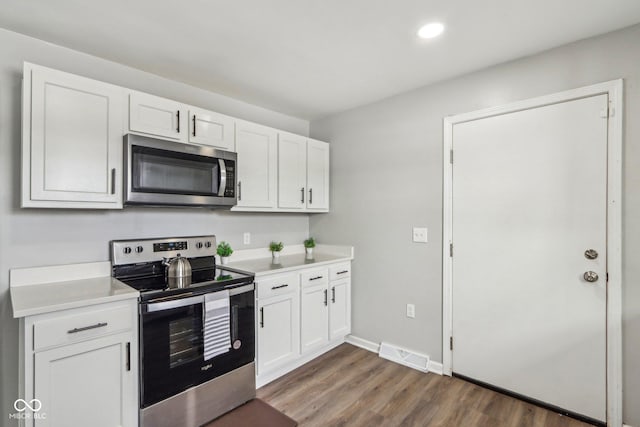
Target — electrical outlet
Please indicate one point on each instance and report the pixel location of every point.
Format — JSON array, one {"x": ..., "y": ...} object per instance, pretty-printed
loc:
[
  {"x": 420, "y": 234},
  {"x": 246, "y": 238},
  {"x": 411, "y": 310}
]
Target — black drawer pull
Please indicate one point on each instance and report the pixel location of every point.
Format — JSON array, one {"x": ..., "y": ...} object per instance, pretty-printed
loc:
[
  {"x": 273, "y": 288},
  {"x": 315, "y": 278},
  {"x": 86, "y": 328},
  {"x": 342, "y": 272}
]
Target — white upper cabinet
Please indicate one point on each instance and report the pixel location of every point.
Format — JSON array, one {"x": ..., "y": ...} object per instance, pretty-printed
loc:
[
  {"x": 71, "y": 141},
  {"x": 257, "y": 165},
  {"x": 152, "y": 115},
  {"x": 317, "y": 175},
  {"x": 212, "y": 129},
  {"x": 303, "y": 174},
  {"x": 292, "y": 171}
]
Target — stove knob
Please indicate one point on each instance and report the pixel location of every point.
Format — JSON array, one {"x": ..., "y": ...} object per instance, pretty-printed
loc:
[
  {"x": 207, "y": 244},
  {"x": 127, "y": 250},
  {"x": 139, "y": 249},
  {"x": 199, "y": 245}
]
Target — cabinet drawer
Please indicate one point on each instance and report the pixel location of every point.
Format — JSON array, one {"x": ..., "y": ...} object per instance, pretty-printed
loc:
[
  {"x": 277, "y": 285},
  {"x": 80, "y": 326},
  {"x": 314, "y": 277},
  {"x": 340, "y": 271}
]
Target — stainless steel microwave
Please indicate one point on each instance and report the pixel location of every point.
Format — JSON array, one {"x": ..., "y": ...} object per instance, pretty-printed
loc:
[{"x": 167, "y": 173}]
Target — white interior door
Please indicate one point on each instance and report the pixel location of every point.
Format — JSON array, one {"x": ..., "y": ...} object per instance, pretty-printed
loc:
[{"x": 529, "y": 198}]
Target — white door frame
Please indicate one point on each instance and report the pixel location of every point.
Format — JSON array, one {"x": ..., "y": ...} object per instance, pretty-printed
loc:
[{"x": 614, "y": 89}]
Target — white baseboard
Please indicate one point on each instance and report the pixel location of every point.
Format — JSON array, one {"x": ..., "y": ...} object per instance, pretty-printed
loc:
[
  {"x": 362, "y": 343},
  {"x": 434, "y": 367}
]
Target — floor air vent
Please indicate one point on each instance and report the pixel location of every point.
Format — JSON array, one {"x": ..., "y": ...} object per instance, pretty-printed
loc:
[{"x": 404, "y": 357}]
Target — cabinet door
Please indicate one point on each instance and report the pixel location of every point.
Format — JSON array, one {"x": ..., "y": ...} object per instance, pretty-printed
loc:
[
  {"x": 314, "y": 319},
  {"x": 292, "y": 171},
  {"x": 340, "y": 308},
  {"x": 278, "y": 331},
  {"x": 86, "y": 384},
  {"x": 317, "y": 175},
  {"x": 257, "y": 165},
  {"x": 157, "y": 116},
  {"x": 72, "y": 141},
  {"x": 213, "y": 129}
]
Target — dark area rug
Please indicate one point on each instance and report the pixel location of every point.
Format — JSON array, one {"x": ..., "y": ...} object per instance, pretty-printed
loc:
[{"x": 254, "y": 413}]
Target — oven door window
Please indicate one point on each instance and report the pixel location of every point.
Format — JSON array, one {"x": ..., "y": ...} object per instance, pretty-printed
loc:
[{"x": 168, "y": 172}]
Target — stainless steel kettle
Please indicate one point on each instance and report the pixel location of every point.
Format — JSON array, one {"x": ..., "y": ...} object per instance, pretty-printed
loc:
[{"x": 178, "y": 271}]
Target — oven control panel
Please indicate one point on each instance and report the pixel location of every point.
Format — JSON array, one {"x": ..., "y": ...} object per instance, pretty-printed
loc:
[
  {"x": 170, "y": 246},
  {"x": 150, "y": 250}
]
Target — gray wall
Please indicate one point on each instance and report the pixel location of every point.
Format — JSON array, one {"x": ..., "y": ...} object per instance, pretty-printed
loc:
[
  {"x": 34, "y": 237},
  {"x": 386, "y": 171}
]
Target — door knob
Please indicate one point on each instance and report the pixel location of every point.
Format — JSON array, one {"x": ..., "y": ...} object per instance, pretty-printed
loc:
[
  {"x": 590, "y": 276},
  {"x": 590, "y": 254}
]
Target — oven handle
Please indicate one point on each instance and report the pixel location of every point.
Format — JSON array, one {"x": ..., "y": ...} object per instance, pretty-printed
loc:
[
  {"x": 241, "y": 289},
  {"x": 168, "y": 305}
]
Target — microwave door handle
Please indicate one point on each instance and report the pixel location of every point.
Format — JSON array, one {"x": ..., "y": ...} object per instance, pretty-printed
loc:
[{"x": 223, "y": 177}]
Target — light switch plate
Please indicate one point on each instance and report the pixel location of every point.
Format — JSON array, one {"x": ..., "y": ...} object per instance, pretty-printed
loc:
[
  {"x": 246, "y": 238},
  {"x": 411, "y": 311},
  {"x": 420, "y": 234}
]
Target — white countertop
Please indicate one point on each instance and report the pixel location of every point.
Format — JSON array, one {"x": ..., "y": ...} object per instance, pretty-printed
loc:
[
  {"x": 292, "y": 261},
  {"x": 37, "y": 298}
]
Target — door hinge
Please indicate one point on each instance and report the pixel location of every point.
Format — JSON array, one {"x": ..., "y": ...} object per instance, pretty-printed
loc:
[
  {"x": 450, "y": 249},
  {"x": 451, "y": 343},
  {"x": 451, "y": 156}
]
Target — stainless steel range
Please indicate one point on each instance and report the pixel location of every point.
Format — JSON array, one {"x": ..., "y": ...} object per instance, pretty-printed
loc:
[{"x": 197, "y": 333}]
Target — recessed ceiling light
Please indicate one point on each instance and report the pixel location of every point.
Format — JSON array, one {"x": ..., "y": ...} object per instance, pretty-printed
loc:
[{"x": 431, "y": 30}]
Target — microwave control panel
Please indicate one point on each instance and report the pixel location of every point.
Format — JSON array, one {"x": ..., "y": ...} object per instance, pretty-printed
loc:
[{"x": 229, "y": 190}]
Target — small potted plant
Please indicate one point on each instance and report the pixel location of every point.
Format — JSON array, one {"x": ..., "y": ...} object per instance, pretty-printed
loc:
[
  {"x": 275, "y": 248},
  {"x": 224, "y": 251},
  {"x": 309, "y": 244}
]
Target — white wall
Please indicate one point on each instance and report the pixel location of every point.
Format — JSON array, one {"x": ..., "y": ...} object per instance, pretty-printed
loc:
[
  {"x": 386, "y": 177},
  {"x": 33, "y": 237}
]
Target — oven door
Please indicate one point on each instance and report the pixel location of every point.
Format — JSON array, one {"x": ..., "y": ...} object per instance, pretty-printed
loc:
[
  {"x": 172, "y": 348},
  {"x": 162, "y": 172}
]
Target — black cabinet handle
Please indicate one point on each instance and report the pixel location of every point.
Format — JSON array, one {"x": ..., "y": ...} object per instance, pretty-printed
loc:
[
  {"x": 178, "y": 116},
  {"x": 113, "y": 181},
  {"x": 128, "y": 356},
  {"x": 342, "y": 272},
  {"x": 302, "y": 195},
  {"x": 325, "y": 297},
  {"x": 262, "y": 317},
  {"x": 333, "y": 294},
  {"x": 86, "y": 328},
  {"x": 194, "y": 125},
  {"x": 311, "y": 196},
  {"x": 273, "y": 288},
  {"x": 239, "y": 190},
  {"x": 315, "y": 278}
]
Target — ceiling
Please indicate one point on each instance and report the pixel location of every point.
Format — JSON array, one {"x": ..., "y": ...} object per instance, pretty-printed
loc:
[{"x": 312, "y": 58}]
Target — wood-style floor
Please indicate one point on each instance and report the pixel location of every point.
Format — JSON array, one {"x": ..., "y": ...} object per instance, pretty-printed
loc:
[{"x": 349, "y": 386}]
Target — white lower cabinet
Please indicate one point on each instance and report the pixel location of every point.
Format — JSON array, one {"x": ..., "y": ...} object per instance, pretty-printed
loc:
[
  {"x": 339, "y": 308},
  {"x": 300, "y": 315},
  {"x": 84, "y": 371},
  {"x": 314, "y": 309},
  {"x": 278, "y": 321}
]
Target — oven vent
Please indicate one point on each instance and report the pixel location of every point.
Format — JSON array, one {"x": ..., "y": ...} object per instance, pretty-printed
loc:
[{"x": 404, "y": 357}]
